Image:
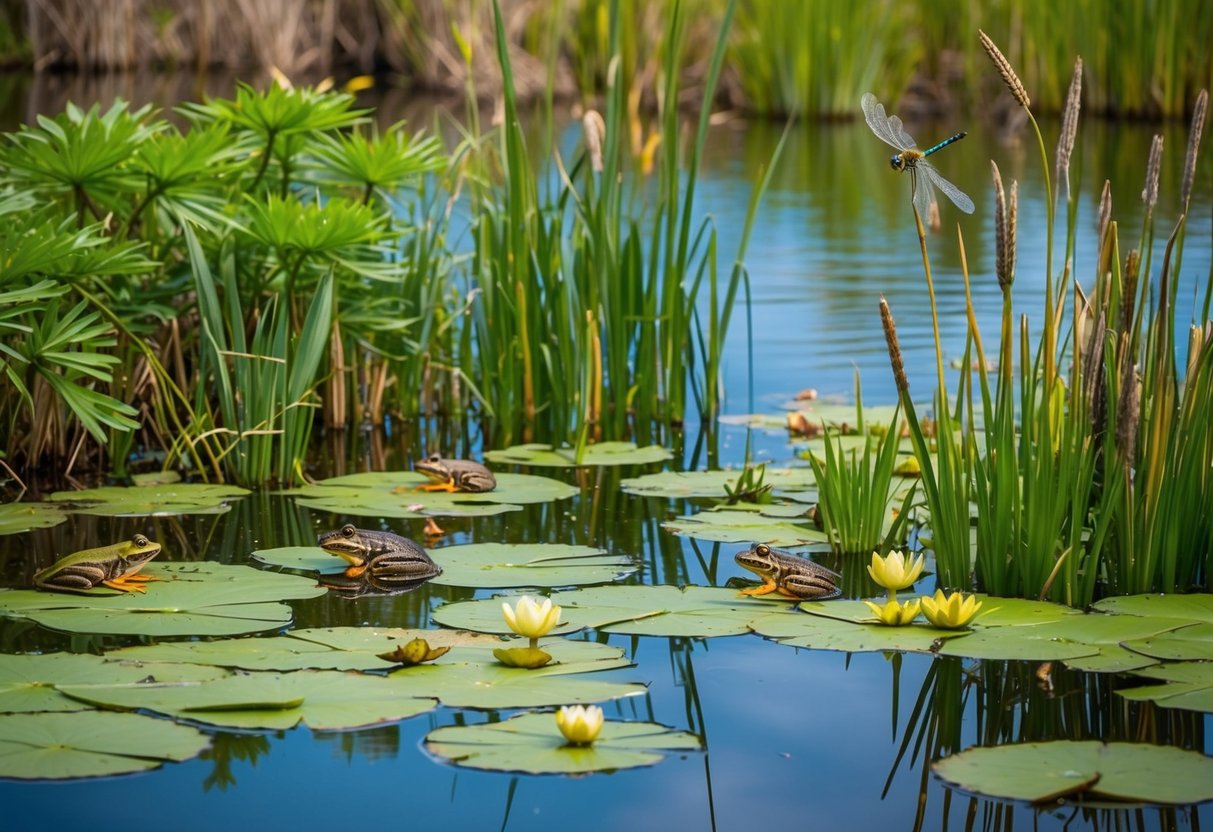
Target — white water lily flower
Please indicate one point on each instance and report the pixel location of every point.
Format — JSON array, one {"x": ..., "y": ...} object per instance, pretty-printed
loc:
[
  {"x": 580, "y": 724},
  {"x": 531, "y": 619}
]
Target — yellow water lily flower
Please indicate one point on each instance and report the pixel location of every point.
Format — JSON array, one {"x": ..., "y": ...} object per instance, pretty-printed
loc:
[
  {"x": 893, "y": 613},
  {"x": 580, "y": 724},
  {"x": 950, "y": 612},
  {"x": 895, "y": 571},
  {"x": 531, "y": 619}
]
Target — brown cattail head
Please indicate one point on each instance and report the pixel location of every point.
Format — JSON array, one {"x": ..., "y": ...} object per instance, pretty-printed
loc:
[
  {"x": 1004, "y": 230},
  {"x": 594, "y": 129},
  {"x": 1069, "y": 128},
  {"x": 1149, "y": 194},
  {"x": 1128, "y": 297},
  {"x": 1004, "y": 69},
  {"x": 890, "y": 337},
  {"x": 1194, "y": 134},
  {"x": 1128, "y": 408},
  {"x": 1105, "y": 210}
]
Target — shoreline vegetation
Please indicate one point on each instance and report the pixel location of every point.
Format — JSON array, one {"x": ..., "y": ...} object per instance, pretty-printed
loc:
[{"x": 1145, "y": 58}]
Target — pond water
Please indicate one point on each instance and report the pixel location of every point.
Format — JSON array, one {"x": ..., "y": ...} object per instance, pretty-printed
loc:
[{"x": 794, "y": 738}]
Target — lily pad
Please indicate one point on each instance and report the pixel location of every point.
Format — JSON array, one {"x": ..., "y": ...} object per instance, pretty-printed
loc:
[
  {"x": 603, "y": 453},
  {"x": 739, "y": 525},
  {"x": 1189, "y": 643},
  {"x": 302, "y": 558},
  {"x": 396, "y": 494},
  {"x": 495, "y": 686},
  {"x": 695, "y": 611},
  {"x": 532, "y": 744},
  {"x": 159, "y": 500},
  {"x": 829, "y": 633},
  {"x": 28, "y": 683},
  {"x": 502, "y": 565},
  {"x": 1195, "y": 607},
  {"x": 1189, "y": 685},
  {"x": 281, "y": 653},
  {"x": 1049, "y": 771},
  {"x": 21, "y": 517},
  {"x": 1017, "y": 643},
  {"x": 685, "y": 484},
  {"x": 1020, "y": 612},
  {"x": 1111, "y": 659},
  {"x": 203, "y": 599},
  {"x": 324, "y": 700},
  {"x": 60, "y": 746}
]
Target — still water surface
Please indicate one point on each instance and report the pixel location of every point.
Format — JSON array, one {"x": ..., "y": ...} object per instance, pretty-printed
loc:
[{"x": 795, "y": 739}]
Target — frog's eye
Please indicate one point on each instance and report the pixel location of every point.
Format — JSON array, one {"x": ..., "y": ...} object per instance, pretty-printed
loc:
[
  {"x": 140, "y": 541},
  {"x": 433, "y": 459},
  {"x": 763, "y": 549},
  {"x": 348, "y": 530}
]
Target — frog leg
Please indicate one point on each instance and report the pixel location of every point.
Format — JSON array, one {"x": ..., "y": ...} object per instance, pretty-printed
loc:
[
  {"x": 767, "y": 586},
  {"x": 139, "y": 576},
  {"x": 121, "y": 583},
  {"x": 439, "y": 486},
  {"x": 356, "y": 571}
]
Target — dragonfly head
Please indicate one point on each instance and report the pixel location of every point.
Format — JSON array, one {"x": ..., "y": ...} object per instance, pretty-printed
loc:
[{"x": 897, "y": 163}]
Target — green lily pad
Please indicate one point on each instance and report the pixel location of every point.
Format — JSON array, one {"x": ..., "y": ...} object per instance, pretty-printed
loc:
[
  {"x": 396, "y": 494},
  {"x": 1111, "y": 658},
  {"x": 28, "y": 683},
  {"x": 203, "y": 599},
  {"x": 322, "y": 699},
  {"x": 1017, "y": 643},
  {"x": 743, "y": 525},
  {"x": 1195, "y": 607},
  {"x": 21, "y": 517},
  {"x": 494, "y": 686},
  {"x": 302, "y": 558},
  {"x": 829, "y": 633},
  {"x": 695, "y": 611},
  {"x": 281, "y": 653},
  {"x": 531, "y": 743},
  {"x": 1188, "y": 685},
  {"x": 503, "y": 565},
  {"x": 375, "y": 640},
  {"x": 60, "y": 746},
  {"x": 603, "y": 453},
  {"x": 1049, "y": 771},
  {"x": 151, "y": 500},
  {"x": 1189, "y": 643},
  {"x": 684, "y": 484},
  {"x": 1020, "y": 612}
]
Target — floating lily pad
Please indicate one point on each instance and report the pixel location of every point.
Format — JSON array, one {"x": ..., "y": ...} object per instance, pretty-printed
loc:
[
  {"x": 1020, "y": 612},
  {"x": 603, "y": 453},
  {"x": 502, "y": 565},
  {"x": 684, "y": 484},
  {"x": 194, "y": 599},
  {"x": 324, "y": 700},
  {"x": 303, "y": 558},
  {"x": 1111, "y": 659},
  {"x": 396, "y": 494},
  {"x": 1017, "y": 643},
  {"x": 1189, "y": 685},
  {"x": 60, "y": 746},
  {"x": 1189, "y": 643},
  {"x": 28, "y": 683},
  {"x": 495, "y": 686},
  {"x": 1195, "y": 607},
  {"x": 375, "y": 640},
  {"x": 151, "y": 500},
  {"x": 281, "y": 653},
  {"x": 531, "y": 743},
  {"x": 695, "y": 611},
  {"x": 743, "y": 525},
  {"x": 21, "y": 517},
  {"x": 828, "y": 633},
  {"x": 1049, "y": 771}
]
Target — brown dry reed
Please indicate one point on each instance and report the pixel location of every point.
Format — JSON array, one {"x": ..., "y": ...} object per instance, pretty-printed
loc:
[
  {"x": 1004, "y": 69},
  {"x": 1105, "y": 211},
  {"x": 1149, "y": 194},
  {"x": 890, "y": 337},
  {"x": 1194, "y": 134},
  {"x": 594, "y": 129},
  {"x": 1005, "y": 216},
  {"x": 1069, "y": 128}
]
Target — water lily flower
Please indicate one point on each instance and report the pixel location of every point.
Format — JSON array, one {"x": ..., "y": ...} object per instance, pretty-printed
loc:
[
  {"x": 950, "y": 612},
  {"x": 531, "y": 619},
  {"x": 893, "y": 613},
  {"x": 895, "y": 571},
  {"x": 580, "y": 724}
]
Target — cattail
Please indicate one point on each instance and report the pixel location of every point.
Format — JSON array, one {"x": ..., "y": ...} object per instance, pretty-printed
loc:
[
  {"x": 1105, "y": 210},
  {"x": 1128, "y": 409},
  {"x": 1194, "y": 134},
  {"x": 1004, "y": 69},
  {"x": 1149, "y": 194},
  {"x": 594, "y": 129},
  {"x": 1129, "y": 296},
  {"x": 1004, "y": 230},
  {"x": 1093, "y": 376},
  {"x": 1069, "y": 128},
  {"x": 890, "y": 337}
]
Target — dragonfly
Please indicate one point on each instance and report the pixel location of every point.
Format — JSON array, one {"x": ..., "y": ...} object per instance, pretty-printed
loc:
[{"x": 908, "y": 157}]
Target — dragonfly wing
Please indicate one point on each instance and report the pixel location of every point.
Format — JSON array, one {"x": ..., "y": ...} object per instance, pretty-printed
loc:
[
  {"x": 924, "y": 194},
  {"x": 878, "y": 121},
  {"x": 900, "y": 134},
  {"x": 953, "y": 193}
]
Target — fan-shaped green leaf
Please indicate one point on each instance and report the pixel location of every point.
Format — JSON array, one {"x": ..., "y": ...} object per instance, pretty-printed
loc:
[
  {"x": 151, "y": 500},
  {"x": 603, "y": 453},
  {"x": 685, "y": 484},
  {"x": 91, "y": 744},
  {"x": 1049, "y": 771},
  {"x": 21, "y": 517},
  {"x": 743, "y": 525},
  {"x": 531, "y": 743}
]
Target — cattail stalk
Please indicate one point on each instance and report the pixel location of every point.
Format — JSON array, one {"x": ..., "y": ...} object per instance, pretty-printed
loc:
[
  {"x": 1194, "y": 134},
  {"x": 1005, "y": 216},
  {"x": 594, "y": 129},
  {"x": 890, "y": 337},
  {"x": 1004, "y": 69},
  {"x": 1069, "y": 129},
  {"x": 1149, "y": 194},
  {"x": 1105, "y": 211}
]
